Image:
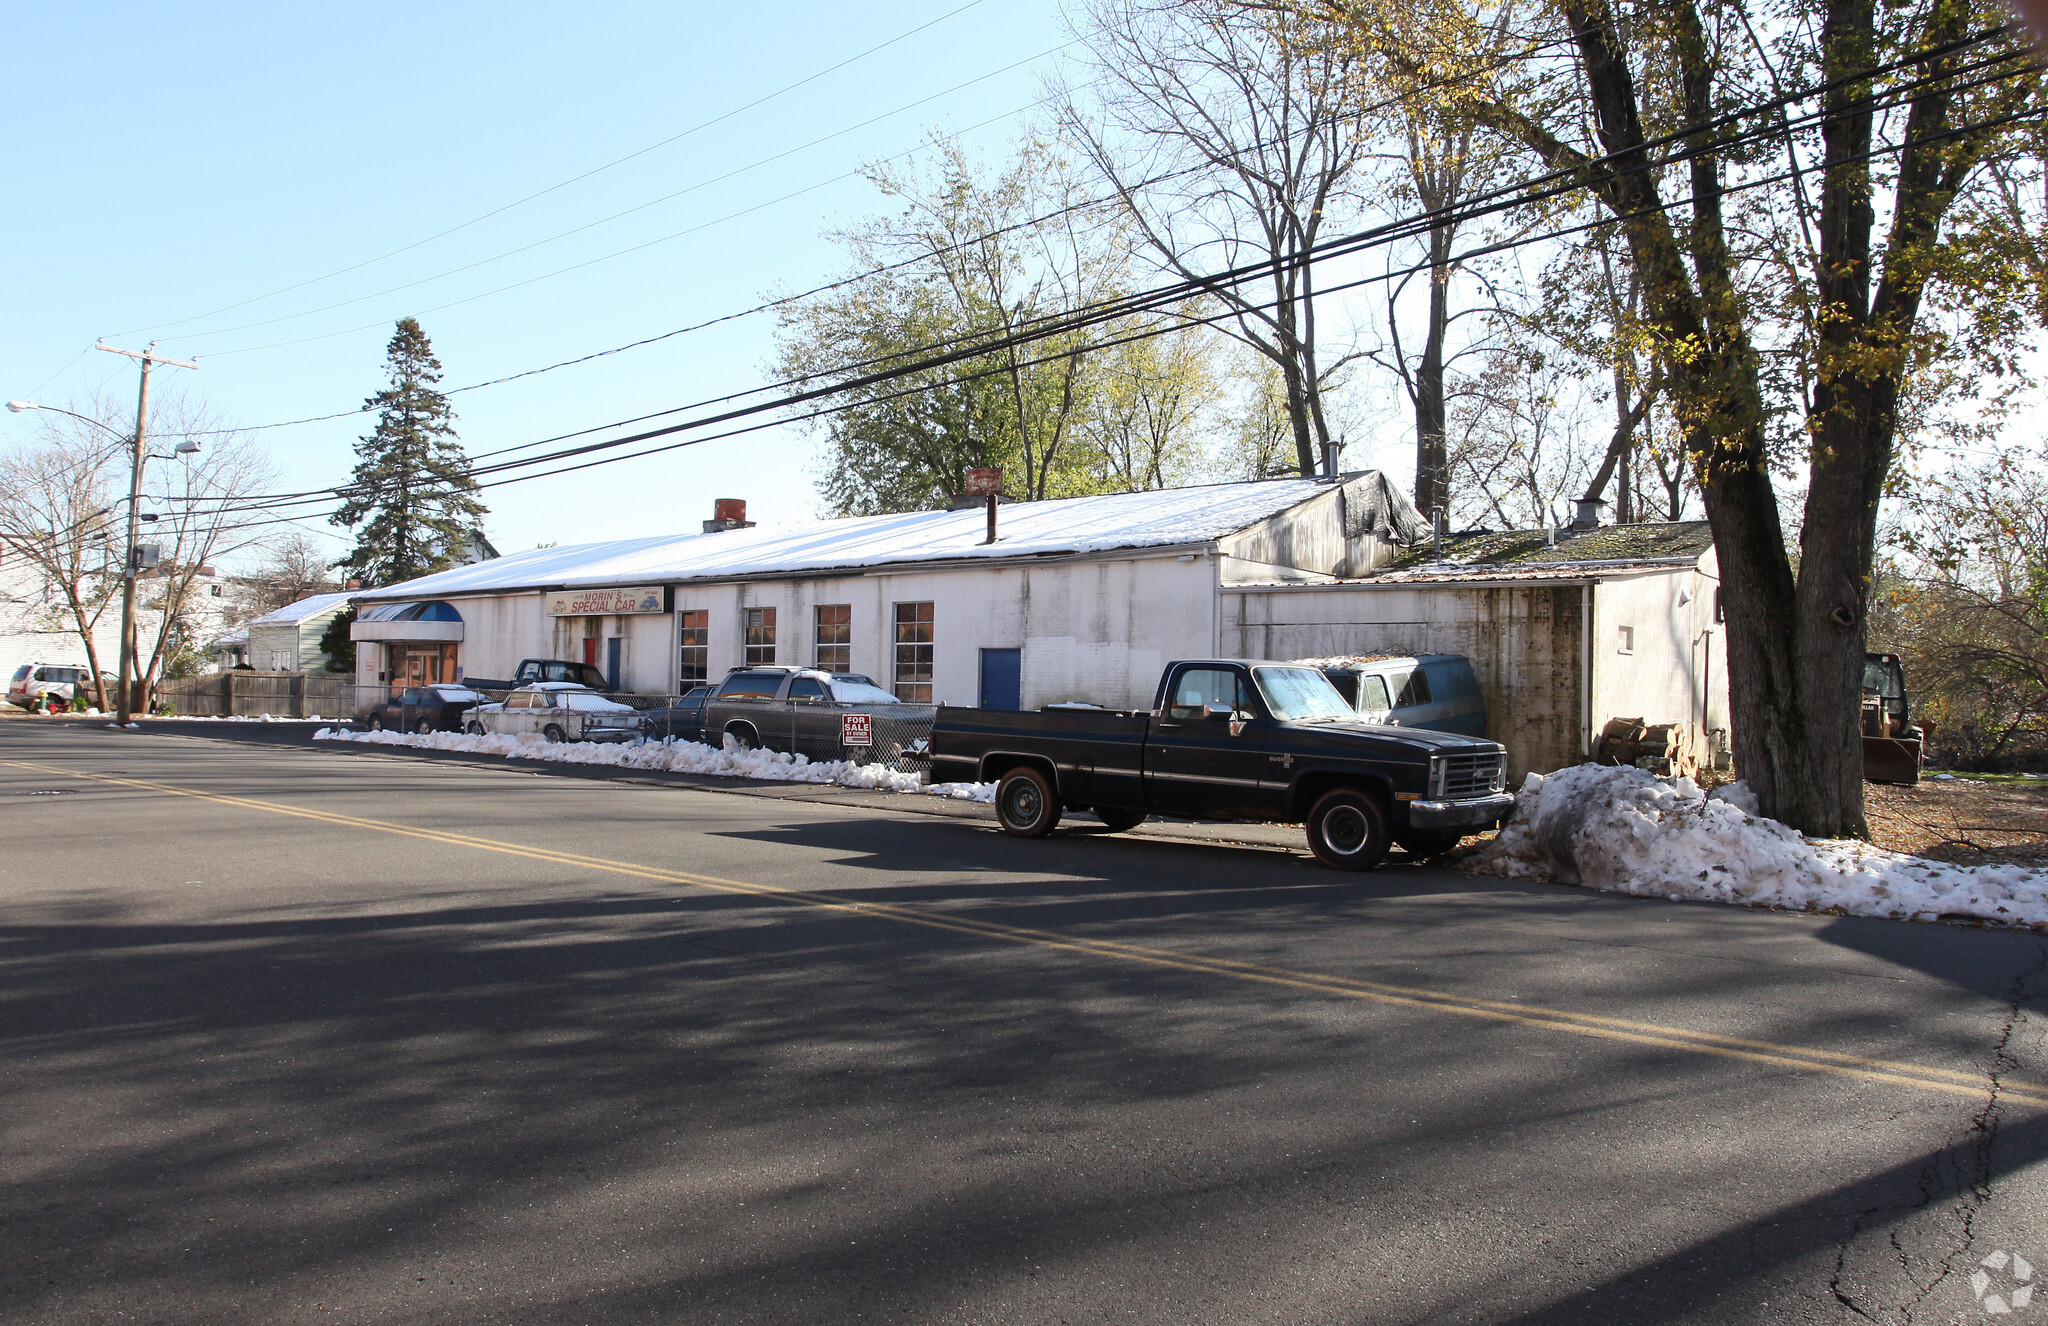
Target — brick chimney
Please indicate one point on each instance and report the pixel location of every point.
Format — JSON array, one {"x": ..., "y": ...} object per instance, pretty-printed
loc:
[{"x": 728, "y": 513}]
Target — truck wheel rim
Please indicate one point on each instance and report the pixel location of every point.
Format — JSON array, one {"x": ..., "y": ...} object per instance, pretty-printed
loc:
[
  {"x": 1024, "y": 803},
  {"x": 1345, "y": 830}
]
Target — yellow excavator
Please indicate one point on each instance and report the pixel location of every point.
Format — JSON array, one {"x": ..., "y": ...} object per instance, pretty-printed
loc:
[{"x": 1892, "y": 742}]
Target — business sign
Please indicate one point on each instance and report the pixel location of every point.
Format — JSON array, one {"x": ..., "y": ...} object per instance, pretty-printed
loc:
[
  {"x": 856, "y": 729},
  {"x": 604, "y": 602}
]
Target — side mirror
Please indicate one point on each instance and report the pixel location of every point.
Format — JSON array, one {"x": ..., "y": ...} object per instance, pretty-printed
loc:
[{"x": 1218, "y": 713}]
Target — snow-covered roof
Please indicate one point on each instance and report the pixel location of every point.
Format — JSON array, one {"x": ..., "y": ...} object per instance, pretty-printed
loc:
[
  {"x": 304, "y": 609},
  {"x": 1164, "y": 518}
]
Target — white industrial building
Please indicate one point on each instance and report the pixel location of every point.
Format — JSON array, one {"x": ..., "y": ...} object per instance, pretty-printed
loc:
[{"x": 1077, "y": 599}]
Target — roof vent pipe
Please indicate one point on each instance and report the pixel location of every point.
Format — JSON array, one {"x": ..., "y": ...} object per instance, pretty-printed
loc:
[
  {"x": 986, "y": 483},
  {"x": 1436, "y": 534},
  {"x": 728, "y": 513}
]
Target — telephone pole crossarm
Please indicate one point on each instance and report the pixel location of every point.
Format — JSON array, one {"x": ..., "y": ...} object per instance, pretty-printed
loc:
[{"x": 150, "y": 358}]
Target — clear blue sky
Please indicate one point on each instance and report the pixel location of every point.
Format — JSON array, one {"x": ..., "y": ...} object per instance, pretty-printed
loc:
[{"x": 167, "y": 162}]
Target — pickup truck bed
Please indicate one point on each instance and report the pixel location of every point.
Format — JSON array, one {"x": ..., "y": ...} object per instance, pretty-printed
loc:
[{"x": 1284, "y": 748}]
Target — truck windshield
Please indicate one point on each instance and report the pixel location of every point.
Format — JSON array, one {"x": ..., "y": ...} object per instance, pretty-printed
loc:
[{"x": 1300, "y": 693}]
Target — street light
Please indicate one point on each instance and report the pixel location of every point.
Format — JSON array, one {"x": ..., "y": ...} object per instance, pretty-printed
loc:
[{"x": 129, "y": 564}]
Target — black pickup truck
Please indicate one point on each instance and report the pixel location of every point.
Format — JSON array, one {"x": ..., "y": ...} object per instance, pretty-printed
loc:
[
  {"x": 1233, "y": 739},
  {"x": 543, "y": 669}
]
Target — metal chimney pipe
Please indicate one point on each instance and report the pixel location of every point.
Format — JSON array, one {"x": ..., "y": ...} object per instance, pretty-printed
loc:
[{"x": 987, "y": 481}]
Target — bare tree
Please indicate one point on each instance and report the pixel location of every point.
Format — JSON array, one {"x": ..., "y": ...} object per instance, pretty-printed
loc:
[
  {"x": 295, "y": 565},
  {"x": 1520, "y": 443},
  {"x": 201, "y": 518},
  {"x": 57, "y": 511},
  {"x": 1229, "y": 144}
]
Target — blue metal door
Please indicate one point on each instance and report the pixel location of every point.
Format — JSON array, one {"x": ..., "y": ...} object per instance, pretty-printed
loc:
[
  {"x": 1002, "y": 679},
  {"x": 611, "y": 662}
]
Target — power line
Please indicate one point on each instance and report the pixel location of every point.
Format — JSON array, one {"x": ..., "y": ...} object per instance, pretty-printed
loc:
[
  {"x": 1502, "y": 61},
  {"x": 1348, "y": 244},
  {"x": 574, "y": 179},
  {"x": 640, "y": 207},
  {"x": 1521, "y": 193}
]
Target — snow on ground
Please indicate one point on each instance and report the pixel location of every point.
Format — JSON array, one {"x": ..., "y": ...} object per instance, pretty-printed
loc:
[
  {"x": 1625, "y": 830},
  {"x": 243, "y": 718},
  {"x": 676, "y": 756}
]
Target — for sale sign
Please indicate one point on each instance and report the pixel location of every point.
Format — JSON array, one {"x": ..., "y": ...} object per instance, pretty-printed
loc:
[{"x": 856, "y": 729}]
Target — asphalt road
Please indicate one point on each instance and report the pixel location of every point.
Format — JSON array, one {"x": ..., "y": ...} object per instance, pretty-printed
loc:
[{"x": 292, "y": 1035}]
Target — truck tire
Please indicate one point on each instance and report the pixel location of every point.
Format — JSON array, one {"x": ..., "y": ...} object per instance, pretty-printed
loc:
[
  {"x": 1347, "y": 830},
  {"x": 1119, "y": 818},
  {"x": 553, "y": 732},
  {"x": 424, "y": 726},
  {"x": 1426, "y": 843},
  {"x": 743, "y": 736},
  {"x": 376, "y": 725},
  {"x": 1026, "y": 805},
  {"x": 473, "y": 729}
]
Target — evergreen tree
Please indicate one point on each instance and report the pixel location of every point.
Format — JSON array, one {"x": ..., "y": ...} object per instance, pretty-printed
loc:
[{"x": 411, "y": 491}]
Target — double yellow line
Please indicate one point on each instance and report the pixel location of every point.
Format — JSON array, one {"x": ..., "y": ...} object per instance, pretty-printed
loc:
[{"x": 1890, "y": 1071}]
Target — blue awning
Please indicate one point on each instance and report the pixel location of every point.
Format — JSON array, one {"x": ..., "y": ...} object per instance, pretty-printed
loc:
[{"x": 428, "y": 610}]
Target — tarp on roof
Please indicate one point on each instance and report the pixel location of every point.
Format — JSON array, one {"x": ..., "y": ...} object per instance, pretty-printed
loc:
[
  {"x": 1373, "y": 505},
  {"x": 304, "y": 609},
  {"x": 1164, "y": 518}
]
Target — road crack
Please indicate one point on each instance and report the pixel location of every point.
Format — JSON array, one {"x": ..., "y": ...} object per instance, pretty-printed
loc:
[{"x": 1960, "y": 1174}]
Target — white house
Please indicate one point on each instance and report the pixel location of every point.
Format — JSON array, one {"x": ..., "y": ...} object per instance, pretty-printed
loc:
[
  {"x": 1087, "y": 598},
  {"x": 36, "y": 625},
  {"x": 288, "y": 640}
]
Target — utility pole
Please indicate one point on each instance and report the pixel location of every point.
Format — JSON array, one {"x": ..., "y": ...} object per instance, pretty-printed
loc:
[{"x": 129, "y": 569}]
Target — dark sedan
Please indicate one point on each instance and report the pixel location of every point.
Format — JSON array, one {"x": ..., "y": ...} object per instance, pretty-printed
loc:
[
  {"x": 683, "y": 720},
  {"x": 423, "y": 709}
]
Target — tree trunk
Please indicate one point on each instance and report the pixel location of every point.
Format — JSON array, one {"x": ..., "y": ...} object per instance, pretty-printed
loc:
[{"x": 1432, "y": 477}]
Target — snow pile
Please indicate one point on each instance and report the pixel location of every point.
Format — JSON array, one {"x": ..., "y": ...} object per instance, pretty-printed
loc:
[
  {"x": 243, "y": 718},
  {"x": 1625, "y": 830},
  {"x": 675, "y": 756}
]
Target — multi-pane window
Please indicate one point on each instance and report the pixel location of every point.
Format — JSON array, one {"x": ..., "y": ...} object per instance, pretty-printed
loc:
[
  {"x": 760, "y": 637},
  {"x": 693, "y": 639},
  {"x": 835, "y": 637},
  {"x": 914, "y": 652}
]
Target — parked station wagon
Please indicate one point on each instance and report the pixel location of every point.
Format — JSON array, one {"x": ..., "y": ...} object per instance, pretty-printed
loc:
[
  {"x": 558, "y": 711},
  {"x": 805, "y": 711}
]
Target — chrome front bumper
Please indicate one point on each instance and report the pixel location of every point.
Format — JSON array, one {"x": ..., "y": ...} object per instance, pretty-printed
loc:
[{"x": 1480, "y": 811}]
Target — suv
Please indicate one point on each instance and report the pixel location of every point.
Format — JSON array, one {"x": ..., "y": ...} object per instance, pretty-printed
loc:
[
  {"x": 51, "y": 686},
  {"x": 821, "y": 715},
  {"x": 1433, "y": 691}
]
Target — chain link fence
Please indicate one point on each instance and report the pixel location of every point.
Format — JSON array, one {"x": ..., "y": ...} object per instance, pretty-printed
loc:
[{"x": 876, "y": 734}]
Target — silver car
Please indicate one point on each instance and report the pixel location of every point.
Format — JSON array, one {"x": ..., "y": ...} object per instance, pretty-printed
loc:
[
  {"x": 557, "y": 711},
  {"x": 824, "y": 715}
]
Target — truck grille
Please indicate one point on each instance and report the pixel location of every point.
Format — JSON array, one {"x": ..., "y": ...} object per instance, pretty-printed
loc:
[{"x": 1473, "y": 775}]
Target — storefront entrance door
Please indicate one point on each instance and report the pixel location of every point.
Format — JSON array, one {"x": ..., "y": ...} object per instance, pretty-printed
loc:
[{"x": 421, "y": 665}]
